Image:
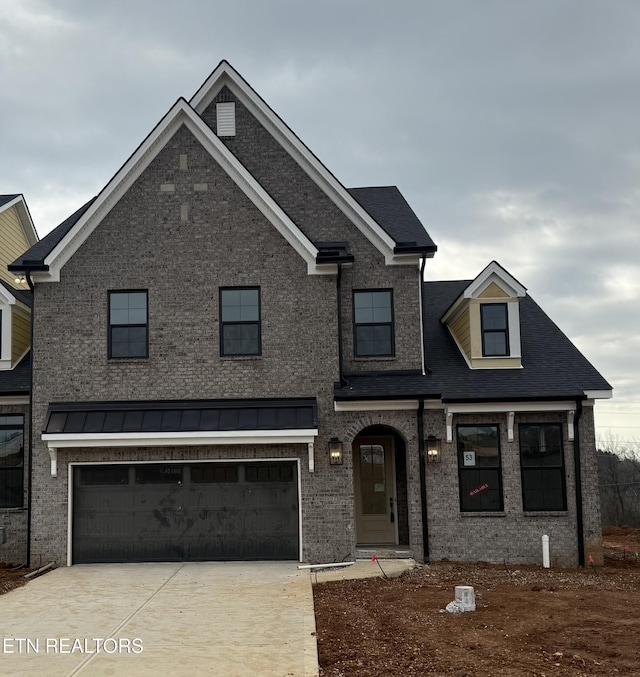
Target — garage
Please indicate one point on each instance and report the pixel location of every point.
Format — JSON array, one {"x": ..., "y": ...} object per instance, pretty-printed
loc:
[{"x": 193, "y": 511}]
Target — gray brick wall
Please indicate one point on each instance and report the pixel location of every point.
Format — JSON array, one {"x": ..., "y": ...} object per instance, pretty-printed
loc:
[
  {"x": 144, "y": 243},
  {"x": 513, "y": 535}
]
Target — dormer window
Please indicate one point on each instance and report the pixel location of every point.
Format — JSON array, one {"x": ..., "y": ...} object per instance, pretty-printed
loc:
[
  {"x": 484, "y": 320},
  {"x": 495, "y": 329}
]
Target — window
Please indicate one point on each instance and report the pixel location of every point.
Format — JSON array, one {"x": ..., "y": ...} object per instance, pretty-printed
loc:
[
  {"x": 240, "y": 321},
  {"x": 11, "y": 461},
  {"x": 542, "y": 466},
  {"x": 479, "y": 468},
  {"x": 495, "y": 329},
  {"x": 128, "y": 324},
  {"x": 373, "y": 323}
]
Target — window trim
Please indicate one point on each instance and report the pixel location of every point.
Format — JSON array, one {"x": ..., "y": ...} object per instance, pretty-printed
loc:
[
  {"x": 247, "y": 322},
  {"x": 505, "y": 331},
  {"x": 3, "y": 503},
  {"x": 110, "y": 326},
  {"x": 561, "y": 467},
  {"x": 498, "y": 468},
  {"x": 355, "y": 324}
]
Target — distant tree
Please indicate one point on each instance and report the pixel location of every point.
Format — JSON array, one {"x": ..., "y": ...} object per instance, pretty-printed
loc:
[{"x": 619, "y": 478}]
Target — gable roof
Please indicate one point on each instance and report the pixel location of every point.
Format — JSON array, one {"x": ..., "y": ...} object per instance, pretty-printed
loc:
[
  {"x": 553, "y": 368},
  {"x": 46, "y": 259},
  {"x": 17, "y": 201},
  {"x": 387, "y": 206},
  {"x": 225, "y": 75}
]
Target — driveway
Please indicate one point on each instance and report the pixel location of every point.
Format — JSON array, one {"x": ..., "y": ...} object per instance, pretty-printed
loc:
[{"x": 209, "y": 618}]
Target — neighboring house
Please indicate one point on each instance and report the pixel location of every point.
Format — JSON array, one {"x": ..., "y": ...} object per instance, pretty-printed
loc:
[
  {"x": 16, "y": 234},
  {"x": 235, "y": 358}
]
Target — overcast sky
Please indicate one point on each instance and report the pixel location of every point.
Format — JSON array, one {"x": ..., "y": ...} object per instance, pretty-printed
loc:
[{"x": 512, "y": 127}]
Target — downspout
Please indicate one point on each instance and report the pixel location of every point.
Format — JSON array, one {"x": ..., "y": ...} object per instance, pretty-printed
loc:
[
  {"x": 423, "y": 481},
  {"x": 578, "y": 474},
  {"x": 423, "y": 264},
  {"x": 30, "y": 445},
  {"x": 343, "y": 381}
]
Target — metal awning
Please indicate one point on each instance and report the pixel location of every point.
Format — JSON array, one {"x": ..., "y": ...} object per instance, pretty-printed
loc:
[{"x": 181, "y": 422}]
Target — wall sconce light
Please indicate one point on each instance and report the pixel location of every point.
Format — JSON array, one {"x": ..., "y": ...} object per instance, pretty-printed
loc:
[
  {"x": 433, "y": 449},
  {"x": 335, "y": 451},
  {"x": 20, "y": 278}
]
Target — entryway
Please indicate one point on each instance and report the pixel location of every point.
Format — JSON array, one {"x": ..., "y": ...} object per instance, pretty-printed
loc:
[{"x": 380, "y": 487}]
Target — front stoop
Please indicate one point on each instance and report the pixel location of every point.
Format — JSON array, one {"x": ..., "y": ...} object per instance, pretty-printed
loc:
[{"x": 384, "y": 552}]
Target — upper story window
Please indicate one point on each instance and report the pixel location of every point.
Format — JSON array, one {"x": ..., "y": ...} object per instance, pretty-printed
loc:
[
  {"x": 479, "y": 468},
  {"x": 240, "y": 332},
  {"x": 542, "y": 466},
  {"x": 128, "y": 324},
  {"x": 495, "y": 329},
  {"x": 373, "y": 331},
  {"x": 11, "y": 461}
]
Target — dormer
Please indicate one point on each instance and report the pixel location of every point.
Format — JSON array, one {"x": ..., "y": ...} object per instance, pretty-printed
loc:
[{"x": 484, "y": 320}]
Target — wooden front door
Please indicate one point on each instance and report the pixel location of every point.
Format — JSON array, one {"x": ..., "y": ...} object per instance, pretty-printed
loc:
[{"x": 374, "y": 479}]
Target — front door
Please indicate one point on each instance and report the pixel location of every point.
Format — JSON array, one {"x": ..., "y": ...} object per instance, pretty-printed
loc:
[{"x": 374, "y": 479}]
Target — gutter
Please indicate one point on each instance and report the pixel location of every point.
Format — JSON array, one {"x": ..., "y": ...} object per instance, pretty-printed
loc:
[
  {"x": 578, "y": 475},
  {"x": 423, "y": 481}
]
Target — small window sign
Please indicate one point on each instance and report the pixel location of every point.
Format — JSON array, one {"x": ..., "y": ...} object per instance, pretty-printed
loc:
[
  {"x": 378, "y": 488},
  {"x": 469, "y": 458}
]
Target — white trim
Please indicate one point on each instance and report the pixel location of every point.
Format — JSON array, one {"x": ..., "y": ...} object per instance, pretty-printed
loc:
[
  {"x": 570, "y": 427},
  {"x": 502, "y": 407},
  {"x": 6, "y": 317},
  {"x": 73, "y": 464},
  {"x": 376, "y": 405},
  {"x": 494, "y": 272},
  {"x": 599, "y": 394},
  {"x": 511, "y": 415},
  {"x": 513, "y": 318},
  {"x": 53, "y": 455},
  {"x": 312, "y": 464},
  {"x": 180, "y": 114},
  {"x": 225, "y": 74},
  {"x": 196, "y": 438},
  {"x": 24, "y": 217},
  {"x": 18, "y": 399}
]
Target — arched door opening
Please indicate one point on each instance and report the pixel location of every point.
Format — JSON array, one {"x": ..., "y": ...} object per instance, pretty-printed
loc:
[{"x": 380, "y": 487}]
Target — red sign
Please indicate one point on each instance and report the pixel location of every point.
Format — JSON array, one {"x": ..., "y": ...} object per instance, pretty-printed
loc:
[{"x": 478, "y": 490}]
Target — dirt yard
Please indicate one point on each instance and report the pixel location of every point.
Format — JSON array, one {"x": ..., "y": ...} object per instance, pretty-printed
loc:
[
  {"x": 11, "y": 578},
  {"x": 529, "y": 621}
]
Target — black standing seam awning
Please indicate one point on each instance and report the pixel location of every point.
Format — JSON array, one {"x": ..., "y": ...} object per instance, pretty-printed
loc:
[{"x": 181, "y": 416}]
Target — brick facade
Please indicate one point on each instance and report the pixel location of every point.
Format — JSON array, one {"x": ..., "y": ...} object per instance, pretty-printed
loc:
[{"x": 183, "y": 230}]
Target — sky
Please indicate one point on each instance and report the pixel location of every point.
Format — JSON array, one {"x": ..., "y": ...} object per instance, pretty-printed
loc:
[{"x": 511, "y": 127}]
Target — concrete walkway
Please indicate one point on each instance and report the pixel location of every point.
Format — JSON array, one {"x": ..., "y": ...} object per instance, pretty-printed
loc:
[{"x": 226, "y": 619}]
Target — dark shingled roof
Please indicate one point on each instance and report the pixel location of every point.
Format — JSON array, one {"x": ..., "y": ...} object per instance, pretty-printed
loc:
[
  {"x": 17, "y": 381},
  {"x": 23, "y": 295},
  {"x": 388, "y": 207},
  {"x": 34, "y": 256},
  {"x": 7, "y": 198},
  {"x": 552, "y": 366}
]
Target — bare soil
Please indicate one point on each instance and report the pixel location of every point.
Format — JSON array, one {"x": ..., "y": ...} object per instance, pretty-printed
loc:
[
  {"x": 11, "y": 578},
  {"x": 529, "y": 620}
]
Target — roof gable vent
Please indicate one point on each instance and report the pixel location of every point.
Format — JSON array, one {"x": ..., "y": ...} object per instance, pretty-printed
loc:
[{"x": 226, "y": 118}]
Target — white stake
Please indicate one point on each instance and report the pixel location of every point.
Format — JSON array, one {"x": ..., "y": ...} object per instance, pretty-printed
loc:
[{"x": 545, "y": 551}]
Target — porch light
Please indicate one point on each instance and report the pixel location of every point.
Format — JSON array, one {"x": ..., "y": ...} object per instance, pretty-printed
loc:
[
  {"x": 433, "y": 449},
  {"x": 20, "y": 278},
  {"x": 335, "y": 451}
]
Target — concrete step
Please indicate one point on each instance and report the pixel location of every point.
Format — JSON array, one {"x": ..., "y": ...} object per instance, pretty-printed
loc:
[{"x": 383, "y": 552}]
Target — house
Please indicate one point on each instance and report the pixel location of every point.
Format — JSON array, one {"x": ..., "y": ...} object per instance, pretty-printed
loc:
[
  {"x": 17, "y": 233},
  {"x": 235, "y": 357}
]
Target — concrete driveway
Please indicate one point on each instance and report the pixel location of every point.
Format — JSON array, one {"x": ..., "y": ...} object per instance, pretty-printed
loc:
[{"x": 191, "y": 619}]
